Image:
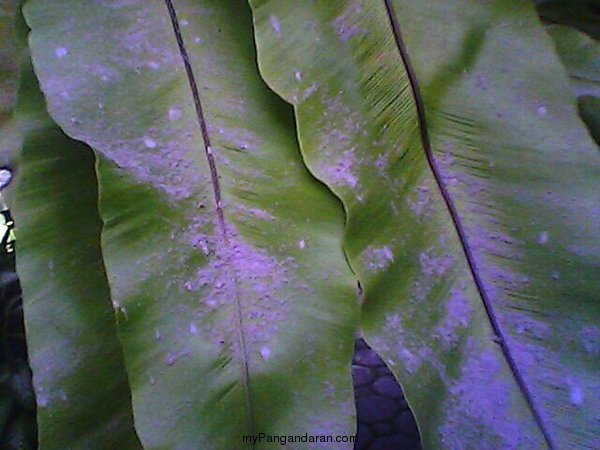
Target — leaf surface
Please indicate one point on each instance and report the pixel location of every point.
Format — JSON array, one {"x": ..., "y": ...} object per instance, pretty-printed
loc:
[
  {"x": 581, "y": 56},
  {"x": 79, "y": 375},
  {"x": 449, "y": 132},
  {"x": 9, "y": 63},
  {"x": 8, "y": 75},
  {"x": 236, "y": 307},
  {"x": 581, "y": 14}
]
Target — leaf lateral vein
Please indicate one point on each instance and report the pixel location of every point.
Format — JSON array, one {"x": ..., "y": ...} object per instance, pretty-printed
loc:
[{"x": 458, "y": 226}]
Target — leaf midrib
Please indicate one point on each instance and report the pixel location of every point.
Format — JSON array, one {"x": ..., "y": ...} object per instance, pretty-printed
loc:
[
  {"x": 214, "y": 175},
  {"x": 457, "y": 222}
]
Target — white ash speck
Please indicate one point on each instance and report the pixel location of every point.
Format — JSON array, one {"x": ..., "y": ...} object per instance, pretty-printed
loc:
[
  {"x": 149, "y": 142},
  {"x": 240, "y": 274},
  {"x": 193, "y": 329},
  {"x": 275, "y": 25},
  {"x": 329, "y": 389},
  {"x": 341, "y": 173},
  {"x": 175, "y": 113},
  {"x": 298, "y": 76},
  {"x": 481, "y": 81},
  {"x": 411, "y": 362},
  {"x": 378, "y": 258},
  {"x": 435, "y": 265},
  {"x": 345, "y": 27},
  {"x": 423, "y": 200},
  {"x": 154, "y": 65},
  {"x": 42, "y": 399},
  {"x": 381, "y": 162},
  {"x": 481, "y": 387},
  {"x": 393, "y": 322},
  {"x": 590, "y": 339},
  {"x": 458, "y": 315},
  {"x": 576, "y": 395},
  {"x": 254, "y": 213},
  {"x": 543, "y": 237},
  {"x": 309, "y": 91},
  {"x": 265, "y": 352},
  {"x": 61, "y": 52},
  {"x": 542, "y": 111},
  {"x": 576, "y": 390},
  {"x": 5, "y": 177},
  {"x": 301, "y": 244}
]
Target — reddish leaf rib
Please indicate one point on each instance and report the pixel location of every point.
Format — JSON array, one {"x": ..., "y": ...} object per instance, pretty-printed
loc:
[{"x": 460, "y": 230}]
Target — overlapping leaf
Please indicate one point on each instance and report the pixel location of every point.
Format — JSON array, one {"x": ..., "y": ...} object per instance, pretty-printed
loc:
[
  {"x": 17, "y": 401},
  {"x": 581, "y": 56},
  {"x": 581, "y": 14},
  {"x": 480, "y": 265},
  {"x": 79, "y": 376},
  {"x": 228, "y": 326},
  {"x": 7, "y": 97},
  {"x": 9, "y": 62}
]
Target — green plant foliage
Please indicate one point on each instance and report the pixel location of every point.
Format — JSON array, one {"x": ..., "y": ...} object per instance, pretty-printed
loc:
[
  {"x": 7, "y": 99},
  {"x": 205, "y": 181},
  {"x": 9, "y": 50},
  {"x": 479, "y": 266},
  {"x": 80, "y": 381},
  {"x": 581, "y": 14},
  {"x": 229, "y": 324},
  {"x": 581, "y": 56},
  {"x": 17, "y": 402}
]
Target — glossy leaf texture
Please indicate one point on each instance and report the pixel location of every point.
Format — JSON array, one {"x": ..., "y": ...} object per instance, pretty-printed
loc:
[
  {"x": 581, "y": 56},
  {"x": 235, "y": 305},
  {"x": 81, "y": 386},
  {"x": 480, "y": 268}
]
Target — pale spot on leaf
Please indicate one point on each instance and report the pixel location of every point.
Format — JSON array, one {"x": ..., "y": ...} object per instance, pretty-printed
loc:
[
  {"x": 149, "y": 142},
  {"x": 175, "y": 113},
  {"x": 542, "y": 111},
  {"x": 265, "y": 352},
  {"x": 275, "y": 25},
  {"x": 576, "y": 395},
  {"x": 61, "y": 52}
]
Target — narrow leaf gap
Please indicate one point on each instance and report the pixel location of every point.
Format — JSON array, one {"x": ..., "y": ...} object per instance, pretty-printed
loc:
[
  {"x": 245, "y": 371},
  {"x": 460, "y": 230}
]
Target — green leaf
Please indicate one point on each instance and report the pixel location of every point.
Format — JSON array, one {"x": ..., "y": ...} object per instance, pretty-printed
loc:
[
  {"x": 79, "y": 376},
  {"x": 8, "y": 80},
  {"x": 581, "y": 56},
  {"x": 474, "y": 235},
  {"x": 17, "y": 401},
  {"x": 589, "y": 110},
  {"x": 581, "y": 14},
  {"x": 237, "y": 313}
]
